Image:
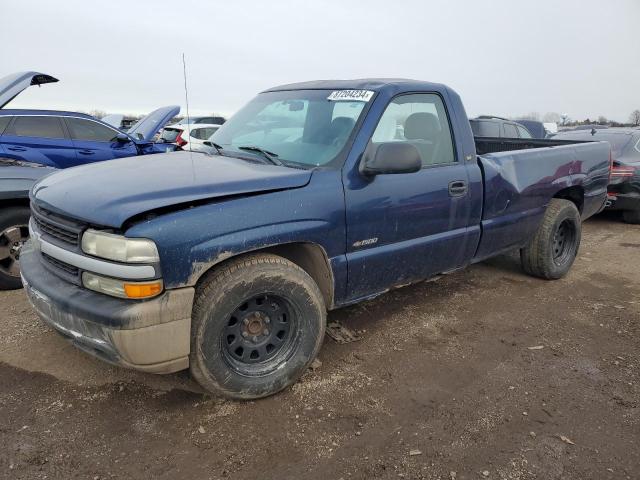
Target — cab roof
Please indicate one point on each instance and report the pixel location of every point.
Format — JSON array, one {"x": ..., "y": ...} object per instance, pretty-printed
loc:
[{"x": 397, "y": 85}]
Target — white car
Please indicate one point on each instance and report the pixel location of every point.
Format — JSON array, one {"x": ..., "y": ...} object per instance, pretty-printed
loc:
[{"x": 189, "y": 136}]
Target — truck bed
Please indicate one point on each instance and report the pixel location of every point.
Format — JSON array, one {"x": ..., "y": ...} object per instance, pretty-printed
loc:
[
  {"x": 486, "y": 145},
  {"x": 519, "y": 184}
]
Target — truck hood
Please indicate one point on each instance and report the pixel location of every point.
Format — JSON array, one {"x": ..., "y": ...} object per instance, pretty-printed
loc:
[
  {"x": 12, "y": 85},
  {"x": 109, "y": 193}
]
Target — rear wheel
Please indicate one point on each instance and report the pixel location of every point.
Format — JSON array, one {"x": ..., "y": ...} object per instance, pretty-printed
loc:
[
  {"x": 14, "y": 232},
  {"x": 554, "y": 247},
  {"x": 257, "y": 324},
  {"x": 631, "y": 216}
]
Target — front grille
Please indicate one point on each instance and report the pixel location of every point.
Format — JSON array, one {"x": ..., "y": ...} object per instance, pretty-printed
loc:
[
  {"x": 65, "y": 230},
  {"x": 65, "y": 267}
]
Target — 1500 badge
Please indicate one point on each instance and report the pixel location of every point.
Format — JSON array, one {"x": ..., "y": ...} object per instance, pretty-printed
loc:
[{"x": 364, "y": 243}]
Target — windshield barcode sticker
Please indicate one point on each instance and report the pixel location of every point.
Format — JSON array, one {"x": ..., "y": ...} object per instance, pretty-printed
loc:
[{"x": 351, "y": 95}]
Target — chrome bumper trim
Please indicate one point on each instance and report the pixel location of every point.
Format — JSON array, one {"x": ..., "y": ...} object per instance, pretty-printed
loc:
[{"x": 103, "y": 267}]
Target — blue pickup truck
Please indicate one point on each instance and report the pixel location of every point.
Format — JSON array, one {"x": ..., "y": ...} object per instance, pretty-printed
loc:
[{"x": 315, "y": 196}]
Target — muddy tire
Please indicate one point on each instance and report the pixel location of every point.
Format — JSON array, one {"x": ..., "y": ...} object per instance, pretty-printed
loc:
[
  {"x": 14, "y": 231},
  {"x": 257, "y": 324},
  {"x": 631, "y": 216},
  {"x": 554, "y": 247}
]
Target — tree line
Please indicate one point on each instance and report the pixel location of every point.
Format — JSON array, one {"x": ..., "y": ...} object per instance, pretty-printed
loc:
[{"x": 553, "y": 117}]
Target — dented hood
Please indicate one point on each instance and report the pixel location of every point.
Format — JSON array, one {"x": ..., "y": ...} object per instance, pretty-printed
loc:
[{"x": 109, "y": 193}]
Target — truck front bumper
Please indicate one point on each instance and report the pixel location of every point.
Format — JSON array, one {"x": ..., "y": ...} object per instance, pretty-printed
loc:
[{"x": 152, "y": 335}]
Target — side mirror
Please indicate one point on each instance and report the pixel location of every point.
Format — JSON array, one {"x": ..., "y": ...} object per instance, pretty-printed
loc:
[
  {"x": 122, "y": 138},
  {"x": 390, "y": 158}
]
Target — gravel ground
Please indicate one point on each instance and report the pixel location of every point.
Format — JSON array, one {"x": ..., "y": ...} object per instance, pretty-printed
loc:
[{"x": 485, "y": 373}]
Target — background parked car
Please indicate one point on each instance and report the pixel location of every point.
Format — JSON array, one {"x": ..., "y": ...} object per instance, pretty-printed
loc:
[
  {"x": 624, "y": 187},
  {"x": 586, "y": 127},
  {"x": 119, "y": 121},
  {"x": 16, "y": 179},
  {"x": 65, "y": 139},
  {"x": 538, "y": 129},
  {"x": 498, "y": 127},
  {"x": 211, "y": 120},
  {"x": 32, "y": 141},
  {"x": 188, "y": 137}
]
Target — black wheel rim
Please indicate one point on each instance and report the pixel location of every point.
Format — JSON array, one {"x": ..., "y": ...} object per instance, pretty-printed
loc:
[
  {"x": 259, "y": 334},
  {"x": 11, "y": 241},
  {"x": 564, "y": 242}
]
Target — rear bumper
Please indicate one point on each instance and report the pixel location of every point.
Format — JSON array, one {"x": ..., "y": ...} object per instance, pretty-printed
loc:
[{"x": 152, "y": 336}]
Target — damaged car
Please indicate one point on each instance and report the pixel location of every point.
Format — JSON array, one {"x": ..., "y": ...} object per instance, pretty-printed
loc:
[
  {"x": 63, "y": 139},
  {"x": 317, "y": 196},
  {"x": 33, "y": 143}
]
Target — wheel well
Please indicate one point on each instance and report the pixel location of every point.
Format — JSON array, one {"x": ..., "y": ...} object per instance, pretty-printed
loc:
[
  {"x": 574, "y": 194},
  {"x": 308, "y": 256}
]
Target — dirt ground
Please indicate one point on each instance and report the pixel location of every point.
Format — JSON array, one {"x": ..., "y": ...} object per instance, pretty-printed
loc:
[{"x": 485, "y": 373}]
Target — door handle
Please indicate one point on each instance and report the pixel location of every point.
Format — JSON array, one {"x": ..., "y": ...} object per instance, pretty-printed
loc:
[
  {"x": 86, "y": 152},
  {"x": 457, "y": 188},
  {"x": 17, "y": 149}
]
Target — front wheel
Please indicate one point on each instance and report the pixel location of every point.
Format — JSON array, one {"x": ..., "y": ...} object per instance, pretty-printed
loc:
[
  {"x": 257, "y": 324},
  {"x": 14, "y": 232},
  {"x": 554, "y": 247}
]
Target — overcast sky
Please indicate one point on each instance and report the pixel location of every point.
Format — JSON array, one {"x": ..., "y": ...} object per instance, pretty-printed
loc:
[{"x": 504, "y": 57}]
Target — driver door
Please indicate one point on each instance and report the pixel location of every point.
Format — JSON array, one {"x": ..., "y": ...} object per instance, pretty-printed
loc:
[{"x": 405, "y": 227}]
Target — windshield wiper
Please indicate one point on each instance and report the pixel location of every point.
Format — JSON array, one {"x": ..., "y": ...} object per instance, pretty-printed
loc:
[
  {"x": 218, "y": 148},
  {"x": 272, "y": 157}
]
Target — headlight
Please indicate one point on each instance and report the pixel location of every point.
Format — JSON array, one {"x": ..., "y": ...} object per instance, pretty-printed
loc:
[
  {"x": 121, "y": 288},
  {"x": 119, "y": 248}
]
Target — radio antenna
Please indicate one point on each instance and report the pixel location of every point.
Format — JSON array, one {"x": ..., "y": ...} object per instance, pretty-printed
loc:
[
  {"x": 186, "y": 100},
  {"x": 186, "y": 95}
]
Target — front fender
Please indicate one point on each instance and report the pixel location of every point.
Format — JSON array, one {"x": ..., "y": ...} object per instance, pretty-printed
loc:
[
  {"x": 212, "y": 252},
  {"x": 192, "y": 240}
]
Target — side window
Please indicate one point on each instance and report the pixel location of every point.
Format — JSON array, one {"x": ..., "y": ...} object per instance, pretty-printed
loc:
[
  {"x": 88, "y": 130},
  {"x": 34, "y": 126},
  {"x": 509, "y": 130},
  {"x": 207, "y": 132},
  {"x": 524, "y": 133},
  {"x": 4, "y": 121},
  {"x": 202, "y": 133},
  {"x": 419, "y": 119},
  {"x": 489, "y": 129}
]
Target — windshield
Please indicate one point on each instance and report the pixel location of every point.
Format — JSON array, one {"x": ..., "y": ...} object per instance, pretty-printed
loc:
[
  {"x": 298, "y": 126},
  {"x": 169, "y": 135}
]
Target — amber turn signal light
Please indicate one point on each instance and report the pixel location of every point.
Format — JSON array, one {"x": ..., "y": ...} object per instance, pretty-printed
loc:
[{"x": 142, "y": 290}]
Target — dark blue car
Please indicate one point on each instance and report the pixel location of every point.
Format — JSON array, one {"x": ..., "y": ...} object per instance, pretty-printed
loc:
[{"x": 66, "y": 139}]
